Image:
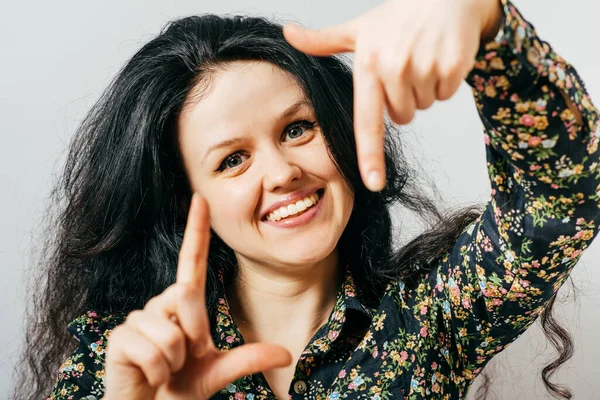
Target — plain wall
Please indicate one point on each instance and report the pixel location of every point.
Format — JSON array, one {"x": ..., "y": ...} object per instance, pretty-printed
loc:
[{"x": 58, "y": 56}]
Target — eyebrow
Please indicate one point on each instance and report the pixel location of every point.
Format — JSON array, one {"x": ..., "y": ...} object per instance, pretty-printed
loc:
[{"x": 286, "y": 113}]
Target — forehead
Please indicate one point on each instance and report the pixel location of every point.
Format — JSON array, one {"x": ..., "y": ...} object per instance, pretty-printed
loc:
[{"x": 242, "y": 93}]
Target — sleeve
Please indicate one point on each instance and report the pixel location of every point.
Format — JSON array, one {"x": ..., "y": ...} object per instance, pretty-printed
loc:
[
  {"x": 543, "y": 211},
  {"x": 81, "y": 376}
]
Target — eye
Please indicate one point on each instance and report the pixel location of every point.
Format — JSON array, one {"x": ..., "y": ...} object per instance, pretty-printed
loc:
[
  {"x": 295, "y": 130},
  {"x": 232, "y": 161}
]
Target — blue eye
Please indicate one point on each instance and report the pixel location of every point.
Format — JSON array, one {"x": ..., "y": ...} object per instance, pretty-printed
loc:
[
  {"x": 295, "y": 130},
  {"x": 232, "y": 161}
]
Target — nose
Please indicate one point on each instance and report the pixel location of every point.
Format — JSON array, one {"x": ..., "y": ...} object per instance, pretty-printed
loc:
[{"x": 279, "y": 171}]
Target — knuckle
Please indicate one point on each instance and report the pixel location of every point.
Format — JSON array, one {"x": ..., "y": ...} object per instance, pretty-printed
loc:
[
  {"x": 174, "y": 339},
  {"x": 450, "y": 68},
  {"x": 368, "y": 60},
  {"x": 153, "y": 358},
  {"x": 133, "y": 317},
  {"x": 117, "y": 335},
  {"x": 184, "y": 291}
]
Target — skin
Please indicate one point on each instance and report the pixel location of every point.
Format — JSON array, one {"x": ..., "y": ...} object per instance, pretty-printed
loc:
[
  {"x": 408, "y": 55},
  {"x": 288, "y": 278}
]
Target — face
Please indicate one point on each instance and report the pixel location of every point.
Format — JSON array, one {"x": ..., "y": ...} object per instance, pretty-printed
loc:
[{"x": 252, "y": 147}]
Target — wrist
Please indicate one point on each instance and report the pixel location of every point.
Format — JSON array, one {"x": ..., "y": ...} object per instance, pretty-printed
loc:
[{"x": 493, "y": 20}]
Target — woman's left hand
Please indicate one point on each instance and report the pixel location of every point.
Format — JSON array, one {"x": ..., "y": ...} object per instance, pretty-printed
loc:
[{"x": 408, "y": 54}]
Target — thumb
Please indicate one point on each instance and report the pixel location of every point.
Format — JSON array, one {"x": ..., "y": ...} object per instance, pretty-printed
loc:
[
  {"x": 321, "y": 42},
  {"x": 245, "y": 360}
]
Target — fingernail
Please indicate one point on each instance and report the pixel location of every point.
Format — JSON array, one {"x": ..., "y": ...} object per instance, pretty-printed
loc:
[{"x": 375, "y": 180}]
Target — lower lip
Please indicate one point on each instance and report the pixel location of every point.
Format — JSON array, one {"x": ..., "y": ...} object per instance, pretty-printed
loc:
[{"x": 298, "y": 220}]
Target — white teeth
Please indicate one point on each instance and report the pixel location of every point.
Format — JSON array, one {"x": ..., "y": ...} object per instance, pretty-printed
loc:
[
  {"x": 301, "y": 206},
  {"x": 294, "y": 208}
]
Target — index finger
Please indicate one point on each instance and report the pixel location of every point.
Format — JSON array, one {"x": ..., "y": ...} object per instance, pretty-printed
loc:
[
  {"x": 193, "y": 255},
  {"x": 321, "y": 42},
  {"x": 369, "y": 129}
]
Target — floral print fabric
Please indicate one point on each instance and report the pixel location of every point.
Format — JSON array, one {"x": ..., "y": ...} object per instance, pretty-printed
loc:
[{"x": 429, "y": 340}]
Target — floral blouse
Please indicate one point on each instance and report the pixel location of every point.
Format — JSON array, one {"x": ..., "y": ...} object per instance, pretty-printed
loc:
[{"x": 429, "y": 340}]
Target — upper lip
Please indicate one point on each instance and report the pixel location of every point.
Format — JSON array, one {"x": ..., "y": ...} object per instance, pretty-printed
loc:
[{"x": 289, "y": 199}]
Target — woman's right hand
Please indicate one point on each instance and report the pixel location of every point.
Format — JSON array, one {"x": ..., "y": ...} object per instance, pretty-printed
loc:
[{"x": 166, "y": 351}]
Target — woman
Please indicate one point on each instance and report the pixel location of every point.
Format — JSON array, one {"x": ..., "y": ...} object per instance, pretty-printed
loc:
[{"x": 220, "y": 126}]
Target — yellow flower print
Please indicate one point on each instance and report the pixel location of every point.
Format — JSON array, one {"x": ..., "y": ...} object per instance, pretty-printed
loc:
[
  {"x": 503, "y": 112},
  {"x": 497, "y": 63},
  {"x": 389, "y": 374},
  {"x": 503, "y": 82},
  {"x": 80, "y": 367},
  {"x": 522, "y": 107},
  {"x": 567, "y": 115},
  {"x": 541, "y": 122},
  {"x": 587, "y": 234},
  {"x": 480, "y": 64},
  {"x": 578, "y": 169},
  {"x": 490, "y": 91},
  {"x": 100, "y": 374}
]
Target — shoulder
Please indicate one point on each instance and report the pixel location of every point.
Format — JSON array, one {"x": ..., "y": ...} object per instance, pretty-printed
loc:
[
  {"x": 94, "y": 325},
  {"x": 81, "y": 375}
]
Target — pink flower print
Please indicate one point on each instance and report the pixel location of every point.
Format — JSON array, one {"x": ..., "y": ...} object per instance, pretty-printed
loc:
[
  {"x": 496, "y": 302},
  {"x": 375, "y": 352},
  {"x": 575, "y": 254},
  {"x": 240, "y": 396},
  {"x": 486, "y": 139},
  {"x": 580, "y": 221},
  {"x": 423, "y": 331},
  {"x": 423, "y": 310},
  {"x": 230, "y": 339},
  {"x": 534, "y": 141},
  {"x": 490, "y": 55},
  {"x": 466, "y": 302},
  {"x": 434, "y": 365},
  {"x": 404, "y": 355},
  {"x": 527, "y": 120},
  {"x": 333, "y": 335},
  {"x": 342, "y": 374}
]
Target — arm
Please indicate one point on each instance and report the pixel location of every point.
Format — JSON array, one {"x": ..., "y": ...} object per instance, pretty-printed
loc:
[
  {"x": 541, "y": 136},
  {"x": 82, "y": 374}
]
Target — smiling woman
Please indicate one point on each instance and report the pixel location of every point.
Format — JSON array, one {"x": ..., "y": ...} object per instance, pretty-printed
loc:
[{"x": 217, "y": 238}]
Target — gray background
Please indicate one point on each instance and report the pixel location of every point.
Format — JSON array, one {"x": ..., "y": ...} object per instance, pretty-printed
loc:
[{"x": 56, "y": 58}]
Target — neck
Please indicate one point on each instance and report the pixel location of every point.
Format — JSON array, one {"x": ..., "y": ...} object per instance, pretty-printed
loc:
[{"x": 277, "y": 305}]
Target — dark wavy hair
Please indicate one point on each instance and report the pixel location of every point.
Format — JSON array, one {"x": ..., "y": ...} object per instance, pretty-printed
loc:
[{"x": 117, "y": 214}]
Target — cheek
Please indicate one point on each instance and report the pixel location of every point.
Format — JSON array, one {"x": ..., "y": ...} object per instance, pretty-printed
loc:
[{"x": 231, "y": 205}]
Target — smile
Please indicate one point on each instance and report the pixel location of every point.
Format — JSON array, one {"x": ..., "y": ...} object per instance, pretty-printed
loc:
[{"x": 296, "y": 213}]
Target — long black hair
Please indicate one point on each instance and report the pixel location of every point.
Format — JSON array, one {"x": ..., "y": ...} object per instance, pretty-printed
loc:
[{"x": 117, "y": 214}]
